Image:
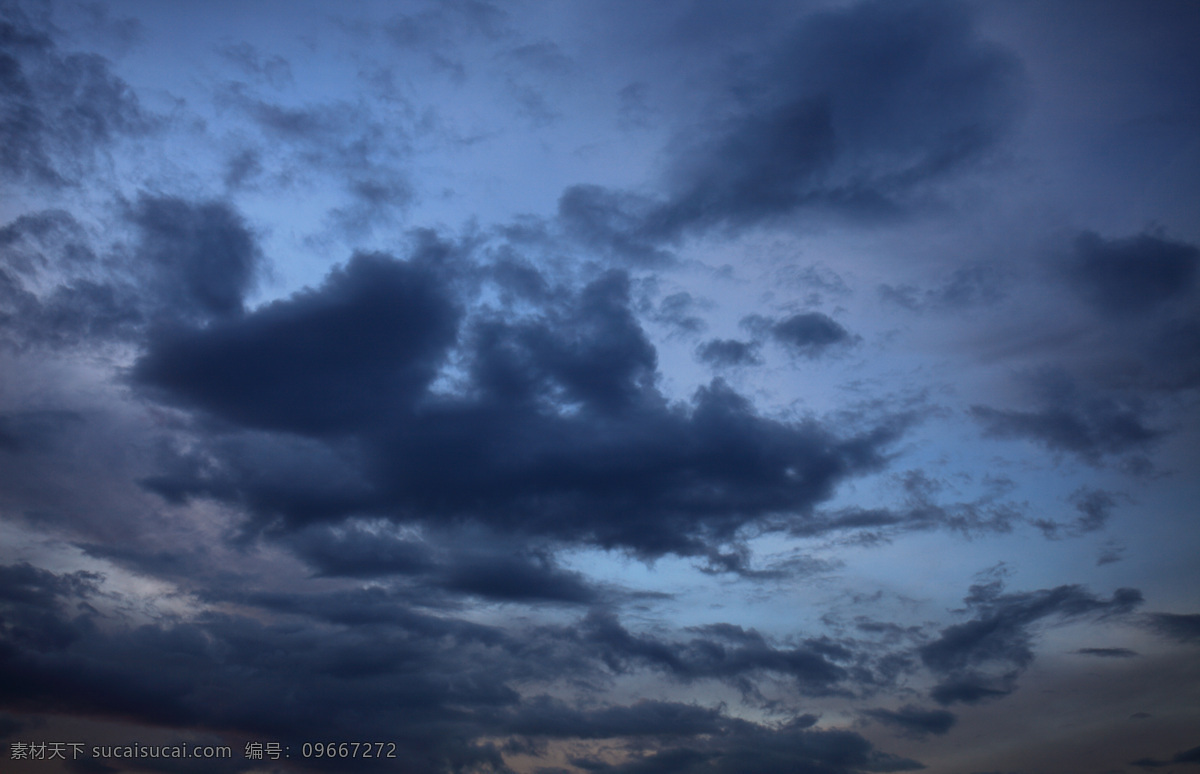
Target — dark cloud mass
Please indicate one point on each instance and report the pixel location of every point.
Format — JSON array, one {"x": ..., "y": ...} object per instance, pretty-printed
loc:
[
  {"x": 857, "y": 112},
  {"x": 810, "y": 333},
  {"x": 1108, "y": 652},
  {"x": 205, "y": 258},
  {"x": 1133, "y": 275},
  {"x": 559, "y": 430},
  {"x": 1184, "y": 627},
  {"x": 854, "y": 112},
  {"x": 500, "y": 571},
  {"x": 333, "y": 360}
]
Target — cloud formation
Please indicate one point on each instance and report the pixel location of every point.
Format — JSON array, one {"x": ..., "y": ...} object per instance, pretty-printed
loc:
[
  {"x": 59, "y": 111},
  {"x": 612, "y": 389},
  {"x": 981, "y": 658},
  {"x": 558, "y": 425}
]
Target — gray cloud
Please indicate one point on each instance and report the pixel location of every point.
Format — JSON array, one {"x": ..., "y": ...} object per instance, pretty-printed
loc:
[
  {"x": 1184, "y": 627},
  {"x": 811, "y": 333},
  {"x": 189, "y": 261},
  {"x": 982, "y": 658},
  {"x": 58, "y": 112},
  {"x": 726, "y": 353},
  {"x": 1074, "y": 419},
  {"x": 1133, "y": 275}
]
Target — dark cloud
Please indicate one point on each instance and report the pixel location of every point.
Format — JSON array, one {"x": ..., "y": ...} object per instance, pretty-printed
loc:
[
  {"x": 242, "y": 167},
  {"x": 855, "y": 111},
  {"x": 1172, "y": 353},
  {"x": 58, "y": 112},
  {"x": 729, "y": 353},
  {"x": 1072, "y": 418},
  {"x": 486, "y": 566},
  {"x": 972, "y": 688},
  {"x": 1184, "y": 627},
  {"x": 811, "y": 333},
  {"x": 201, "y": 258},
  {"x": 36, "y": 239},
  {"x": 516, "y": 577},
  {"x": 559, "y": 428},
  {"x": 1141, "y": 347},
  {"x": 47, "y": 296},
  {"x": 404, "y": 674},
  {"x": 37, "y": 608},
  {"x": 858, "y": 112},
  {"x": 759, "y": 169},
  {"x": 189, "y": 261},
  {"x": 28, "y": 588},
  {"x": 350, "y": 355},
  {"x": 982, "y": 658},
  {"x": 721, "y": 652},
  {"x": 592, "y": 355},
  {"x": 396, "y": 504},
  {"x": 1108, "y": 652},
  {"x": 353, "y": 551},
  {"x": 679, "y": 311},
  {"x": 77, "y": 311},
  {"x": 519, "y": 280},
  {"x": 914, "y": 721},
  {"x": 365, "y": 662},
  {"x": 1095, "y": 508},
  {"x": 1133, "y": 275}
]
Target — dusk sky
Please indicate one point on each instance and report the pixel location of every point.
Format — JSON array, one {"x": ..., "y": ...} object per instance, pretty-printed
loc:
[{"x": 601, "y": 387}]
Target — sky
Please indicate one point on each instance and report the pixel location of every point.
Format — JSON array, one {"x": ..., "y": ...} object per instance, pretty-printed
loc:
[{"x": 600, "y": 387}]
